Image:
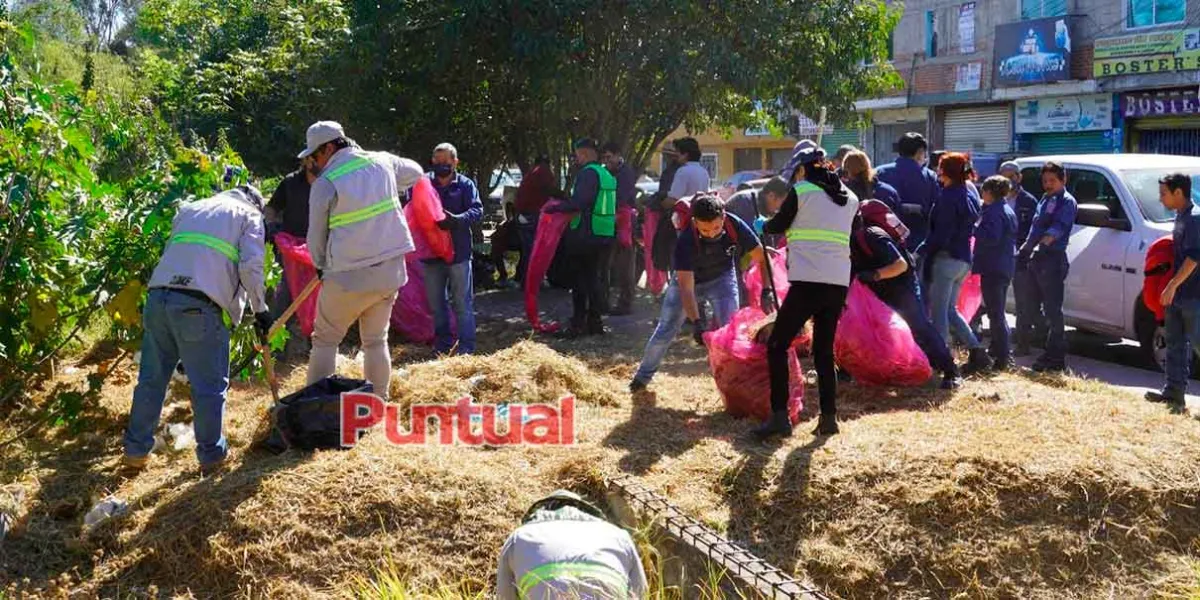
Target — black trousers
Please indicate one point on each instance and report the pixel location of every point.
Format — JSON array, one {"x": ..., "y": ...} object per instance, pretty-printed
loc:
[
  {"x": 822, "y": 303},
  {"x": 622, "y": 274},
  {"x": 589, "y": 261}
]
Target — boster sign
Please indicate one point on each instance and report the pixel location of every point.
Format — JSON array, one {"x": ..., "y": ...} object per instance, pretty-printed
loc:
[
  {"x": 1153, "y": 52},
  {"x": 1032, "y": 52}
]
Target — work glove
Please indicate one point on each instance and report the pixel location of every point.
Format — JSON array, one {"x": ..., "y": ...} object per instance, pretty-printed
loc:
[
  {"x": 321, "y": 274},
  {"x": 1026, "y": 252},
  {"x": 697, "y": 332},
  {"x": 447, "y": 224},
  {"x": 262, "y": 323},
  {"x": 869, "y": 276}
]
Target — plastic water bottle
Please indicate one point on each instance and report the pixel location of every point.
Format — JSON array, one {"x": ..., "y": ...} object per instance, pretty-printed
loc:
[{"x": 108, "y": 508}]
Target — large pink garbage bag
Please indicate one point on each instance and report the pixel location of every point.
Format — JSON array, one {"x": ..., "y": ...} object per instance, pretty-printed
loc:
[
  {"x": 299, "y": 270},
  {"x": 655, "y": 280},
  {"x": 423, "y": 213},
  {"x": 739, "y": 366},
  {"x": 755, "y": 279},
  {"x": 411, "y": 315},
  {"x": 874, "y": 344},
  {"x": 549, "y": 233},
  {"x": 970, "y": 297},
  {"x": 625, "y": 218}
]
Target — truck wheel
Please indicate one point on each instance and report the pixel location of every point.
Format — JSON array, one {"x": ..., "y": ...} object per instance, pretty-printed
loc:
[{"x": 1152, "y": 337}]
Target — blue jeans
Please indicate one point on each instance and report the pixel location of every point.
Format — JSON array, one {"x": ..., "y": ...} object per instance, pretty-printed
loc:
[
  {"x": 180, "y": 327},
  {"x": 945, "y": 282},
  {"x": 721, "y": 292},
  {"x": 1183, "y": 336},
  {"x": 909, "y": 306},
  {"x": 995, "y": 294},
  {"x": 455, "y": 279},
  {"x": 1050, "y": 277}
]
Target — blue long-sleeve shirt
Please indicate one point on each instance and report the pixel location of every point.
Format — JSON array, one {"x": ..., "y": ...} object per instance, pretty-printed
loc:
[
  {"x": 1024, "y": 205},
  {"x": 1187, "y": 245},
  {"x": 951, "y": 224},
  {"x": 996, "y": 241},
  {"x": 460, "y": 200},
  {"x": 1055, "y": 216},
  {"x": 918, "y": 191},
  {"x": 626, "y": 185}
]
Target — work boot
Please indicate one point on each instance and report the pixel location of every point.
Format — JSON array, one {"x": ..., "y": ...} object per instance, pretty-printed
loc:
[
  {"x": 777, "y": 425},
  {"x": 1003, "y": 364},
  {"x": 1042, "y": 365},
  {"x": 636, "y": 386},
  {"x": 132, "y": 465},
  {"x": 1174, "y": 398},
  {"x": 978, "y": 362},
  {"x": 826, "y": 425},
  {"x": 951, "y": 380},
  {"x": 212, "y": 468}
]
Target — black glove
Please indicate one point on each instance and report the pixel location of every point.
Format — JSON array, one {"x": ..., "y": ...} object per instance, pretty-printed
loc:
[
  {"x": 321, "y": 274},
  {"x": 263, "y": 323},
  {"x": 447, "y": 223},
  {"x": 1025, "y": 253},
  {"x": 697, "y": 332},
  {"x": 869, "y": 276}
]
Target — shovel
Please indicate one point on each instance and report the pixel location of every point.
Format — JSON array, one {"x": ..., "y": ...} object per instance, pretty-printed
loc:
[{"x": 264, "y": 345}]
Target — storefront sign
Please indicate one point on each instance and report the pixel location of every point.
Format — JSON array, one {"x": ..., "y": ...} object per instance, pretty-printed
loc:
[
  {"x": 1071, "y": 113},
  {"x": 967, "y": 76},
  {"x": 1159, "y": 104},
  {"x": 1157, "y": 52},
  {"x": 1032, "y": 52},
  {"x": 966, "y": 28}
]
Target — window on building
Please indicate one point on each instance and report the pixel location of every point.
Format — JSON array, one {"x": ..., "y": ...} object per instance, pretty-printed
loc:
[
  {"x": 778, "y": 158},
  {"x": 931, "y": 36},
  {"x": 1036, "y": 9},
  {"x": 747, "y": 159},
  {"x": 709, "y": 162},
  {"x": 1149, "y": 13}
]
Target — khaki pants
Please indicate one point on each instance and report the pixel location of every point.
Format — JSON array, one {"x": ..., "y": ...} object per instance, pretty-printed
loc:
[{"x": 337, "y": 310}]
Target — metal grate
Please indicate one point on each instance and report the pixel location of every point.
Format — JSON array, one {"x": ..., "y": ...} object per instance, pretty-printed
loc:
[{"x": 738, "y": 562}]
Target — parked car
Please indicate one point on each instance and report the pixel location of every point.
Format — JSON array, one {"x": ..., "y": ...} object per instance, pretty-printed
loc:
[
  {"x": 1119, "y": 217},
  {"x": 740, "y": 181}
]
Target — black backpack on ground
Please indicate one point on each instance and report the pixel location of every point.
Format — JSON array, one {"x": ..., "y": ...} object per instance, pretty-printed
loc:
[{"x": 311, "y": 418}]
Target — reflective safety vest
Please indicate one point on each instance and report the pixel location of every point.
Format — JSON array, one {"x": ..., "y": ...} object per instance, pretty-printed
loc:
[
  {"x": 366, "y": 222},
  {"x": 576, "y": 576},
  {"x": 819, "y": 237},
  {"x": 604, "y": 210}
]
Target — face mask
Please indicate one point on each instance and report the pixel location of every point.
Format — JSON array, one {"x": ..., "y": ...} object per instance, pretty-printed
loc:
[{"x": 443, "y": 170}]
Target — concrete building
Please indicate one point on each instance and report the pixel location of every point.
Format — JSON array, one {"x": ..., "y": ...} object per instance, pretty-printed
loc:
[{"x": 1000, "y": 78}]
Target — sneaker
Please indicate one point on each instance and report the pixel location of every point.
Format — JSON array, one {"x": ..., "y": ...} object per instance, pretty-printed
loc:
[
  {"x": 951, "y": 381},
  {"x": 977, "y": 363},
  {"x": 1048, "y": 367},
  {"x": 826, "y": 425},
  {"x": 777, "y": 425},
  {"x": 1171, "y": 397},
  {"x": 636, "y": 386}
]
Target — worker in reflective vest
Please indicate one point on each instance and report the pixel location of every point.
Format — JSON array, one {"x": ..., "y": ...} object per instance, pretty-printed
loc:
[
  {"x": 817, "y": 217},
  {"x": 590, "y": 238},
  {"x": 565, "y": 548},
  {"x": 212, "y": 265},
  {"x": 358, "y": 237}
]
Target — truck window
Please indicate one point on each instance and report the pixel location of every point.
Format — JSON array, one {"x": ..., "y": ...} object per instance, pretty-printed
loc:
[
  {"x": 1031, "y": 180},
  {"x": 1092, "y": 187}
]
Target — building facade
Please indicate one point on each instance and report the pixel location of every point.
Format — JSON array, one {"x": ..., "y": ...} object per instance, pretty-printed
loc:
[{"x": 1003, "y": 78}]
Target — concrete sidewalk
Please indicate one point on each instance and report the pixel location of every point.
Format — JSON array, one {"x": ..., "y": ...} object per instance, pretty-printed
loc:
[{"x": 1133, "y": 379}]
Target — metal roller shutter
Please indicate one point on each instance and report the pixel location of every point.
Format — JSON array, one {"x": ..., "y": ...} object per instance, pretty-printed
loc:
[
  {"x": 1184, "y": 142},
  {"x": 1086, "y": 142},
  {"x": 830, "y": 143},
  {"x": 886, "y": 136},
  {"x": 981, "y": 129}
]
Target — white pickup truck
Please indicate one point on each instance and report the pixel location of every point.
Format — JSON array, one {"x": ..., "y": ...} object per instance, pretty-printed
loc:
[{"x": 1119, "y": 217}]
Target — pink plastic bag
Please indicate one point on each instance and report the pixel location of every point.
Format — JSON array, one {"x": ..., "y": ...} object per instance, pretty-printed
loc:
[
  {"x": 970, "y": 297},
  {"x": 411, "y": 316},
  {"x": 298, "y": 269},
  {"x": 625, "y": 218},
  {"x": 874, "y": 344},
  {"x": 739, "y": 366},
  {"x": 423, "y": 213},
  {"x": 549, "y": 233},
  {"x": 655, "y": 280},
  {"x": 755, "y": 280}
]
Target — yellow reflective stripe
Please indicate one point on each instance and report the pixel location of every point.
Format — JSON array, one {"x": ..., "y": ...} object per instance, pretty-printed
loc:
[
  {"x": 349, "y": 167},
  {"x": 202, "y": 239},
  {"x": 573, "y": 570},
  {"x": 818, "y": 235},
  {"x": 806, "y": 186},
  {"x": 362, "y": 214}
]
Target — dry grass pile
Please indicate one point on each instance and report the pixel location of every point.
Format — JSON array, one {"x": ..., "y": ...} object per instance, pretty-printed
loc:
[{"x": 1010, "y": 488}]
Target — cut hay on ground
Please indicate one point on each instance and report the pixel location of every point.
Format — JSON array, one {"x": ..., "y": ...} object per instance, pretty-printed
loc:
[{"x": 1010, "y": 488}]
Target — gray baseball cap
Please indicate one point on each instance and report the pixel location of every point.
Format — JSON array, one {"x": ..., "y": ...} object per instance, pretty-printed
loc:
[{"x": 321, "y": 133}]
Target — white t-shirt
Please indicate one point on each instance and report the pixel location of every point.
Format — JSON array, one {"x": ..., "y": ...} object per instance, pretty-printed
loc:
[{"x": 690, "y": 179}]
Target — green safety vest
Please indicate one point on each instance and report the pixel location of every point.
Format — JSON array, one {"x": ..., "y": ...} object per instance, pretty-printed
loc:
[{"x": 604, "y": 211}]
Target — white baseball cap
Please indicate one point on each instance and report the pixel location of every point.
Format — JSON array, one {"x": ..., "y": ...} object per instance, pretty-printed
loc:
[{"x": 321, "y": 133}]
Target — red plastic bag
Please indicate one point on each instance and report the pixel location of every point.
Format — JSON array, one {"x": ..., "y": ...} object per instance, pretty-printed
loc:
[
  {"x": 970, "y": 297},
  {"x": 299, "y": 270},
  {"x": 1159, "y": 269},
  {"x": 655, "y": 280},
  {"x": 739, "y": 366},
  {"x": 423, "y": 213},
  {"x": 411, "y": 316},
  {"x": 755, "y": 280},
  {"x": 625, "y": 218},
  {"x": 874, "y": 344},
  {"x": 549, "y": 233}
]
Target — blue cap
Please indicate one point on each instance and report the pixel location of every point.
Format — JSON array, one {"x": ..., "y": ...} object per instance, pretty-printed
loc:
[{"x": 806, "y": 152}]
